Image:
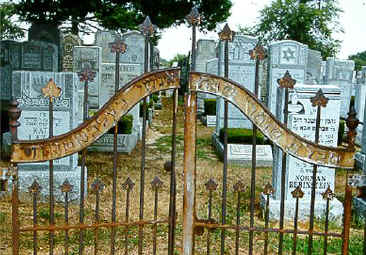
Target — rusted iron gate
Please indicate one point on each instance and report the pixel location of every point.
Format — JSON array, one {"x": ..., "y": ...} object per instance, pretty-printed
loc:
[{"x": 137, "y": 90}]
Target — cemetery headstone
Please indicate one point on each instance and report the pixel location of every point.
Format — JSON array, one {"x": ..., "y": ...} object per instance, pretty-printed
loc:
[
  {"x": 313, "y": 67},
  {"x": 302, "y": 121},
  {"x": 89, "y": 55},
  {"x": 68, "y": 43},
  {"x": 340, "y": 73},
  {"x": 35, "y": 121},
  {"x": 285, "y": 56}
]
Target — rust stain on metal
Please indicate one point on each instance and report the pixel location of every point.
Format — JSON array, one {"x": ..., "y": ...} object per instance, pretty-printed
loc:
[
  {"x": 284, "y": 138},
  {"x": 81, "y": 137}
]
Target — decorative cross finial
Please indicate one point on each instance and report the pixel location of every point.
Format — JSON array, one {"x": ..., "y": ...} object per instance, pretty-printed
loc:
[
  {"x": 258, "y": 52},
  {"x": 297, "y": 193},
  {"x": 239, "y": 187},
  {"x": 268, "y": 189},
  {"x": 226, "y": 34},
  {"x": 147, "y": 28},
  {"x": 51, "y": 90},
  {"x": 156, "y": 183},
  {"x": 319, "y": 99},
  {"x": 286, "y": 81},
  {"x": 97, "y": 186},
  {"x": 211, "y": 185},
  {"x": 35, "y": 188},
  {"x": 86, "y": 74},
  {"x": 194, "y": 17},
  {"x": 352, "y": 123},
  {"x": 66, "y": 186},
  {"x": 118, "y": 46},
  {"x": 328, "y": 194},
  {"x": 128, "y": 184}
]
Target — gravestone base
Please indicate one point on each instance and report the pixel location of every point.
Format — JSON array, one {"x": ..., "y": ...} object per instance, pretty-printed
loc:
[
  {"x": 359, "y": 205},
  {"x": 125, "y": 143},
  {"x": 335, "y": 209},
  {"x": 26, "y": 179},
  {"x": 360, "y": 161},
  {"x": 208, "y": 120},
  {"x": 241, "y": 154}
]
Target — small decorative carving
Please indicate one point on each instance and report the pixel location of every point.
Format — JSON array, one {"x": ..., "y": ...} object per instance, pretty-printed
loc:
[
  {"x": 128, "y": 184},
  {"x": 194, "y": 17},
  {"x": 286, "y": 81},
  {"x": 211, "y": 185},
  {"x": 226, "y": 34},
  {"x": 51, "y": 90},
  {"x": 319, "y": 99},
  {"x": 297, "y": 193}
]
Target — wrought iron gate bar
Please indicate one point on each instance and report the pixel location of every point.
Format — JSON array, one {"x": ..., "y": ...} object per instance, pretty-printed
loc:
[
  {"x": 90, "y": 226},
  {"x": 259, "y": 229},
  {"x": 286, "y": 139}
]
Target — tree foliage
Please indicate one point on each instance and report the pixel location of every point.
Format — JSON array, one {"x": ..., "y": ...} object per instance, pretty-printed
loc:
[
  {"x": 121, "y": 14},
  {"x": 312, "y": 22},
  {"x": 8, "y": 28},
  {"x": 360, "y": 60}
]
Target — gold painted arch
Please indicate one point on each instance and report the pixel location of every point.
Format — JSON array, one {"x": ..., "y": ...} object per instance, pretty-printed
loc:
[{"x": 142, "y": 86}]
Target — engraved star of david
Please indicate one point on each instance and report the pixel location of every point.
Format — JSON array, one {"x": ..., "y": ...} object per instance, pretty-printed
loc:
[{"x": 289, "y": 54}]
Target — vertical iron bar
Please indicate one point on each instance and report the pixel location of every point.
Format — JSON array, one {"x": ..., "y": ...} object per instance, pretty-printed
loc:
[
  {"x": 237, "y": 225},
  {"x": 313, "y": 187},
  {"x": 127, "y": 219},
  {"x": 347, "y": 216},
  {"x": 295, "y": 227},
  {"x": 209, "y": 218},
  {"x": 193, "y": 55},
  {"x": 66, "y": 222},
  {"x": 14, "y": 114},
  {"x": 266, "y": 224},
  {"x": 35, "y": 223},
  {"x": 96, "y": 221},
  {"x": 115, "y": 157},
  {"x": 172, "y": 202},
  {"x": 283, "y": 181},
  {"x": 82, "y": 181},
  {"x": 326, "y": 227},
  {"x": 155, "y": 218},
  {"x": 254, "y": 163},
  {"x": 52, "y": 198},
  {"x": 143, "y": 152},
  {"x": 189, "y": 172},
  {"x": 224, "y": 172}
]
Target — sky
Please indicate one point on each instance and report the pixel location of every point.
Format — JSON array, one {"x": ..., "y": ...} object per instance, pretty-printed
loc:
[{"x": 245, "y": 12}]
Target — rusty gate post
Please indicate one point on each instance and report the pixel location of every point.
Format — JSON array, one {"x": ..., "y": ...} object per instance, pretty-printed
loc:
[
  {"x": 189, "y": 161},
  {"x": 352, "y": 123},
  {"x": 189, "y": 172},
  {"x": 14, "y": 114}
]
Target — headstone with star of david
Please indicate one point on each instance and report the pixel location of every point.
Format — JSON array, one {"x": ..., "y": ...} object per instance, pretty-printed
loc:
[
  {"x": 340, "y": 72},
  {"x": 284, "y": 56}
]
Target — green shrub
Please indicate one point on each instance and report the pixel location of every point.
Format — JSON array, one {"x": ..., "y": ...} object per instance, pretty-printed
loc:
[
  {"x": 124, "y": 125},
  {"x": 210, "y": 106},
  {"x": 241, "y": 135},
  {"x": 341, "y": 131},
  {"x": 148, "y": 105},
  {"x": 155, "y": 98}
]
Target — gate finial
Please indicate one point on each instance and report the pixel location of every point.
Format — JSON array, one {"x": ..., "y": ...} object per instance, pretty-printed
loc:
[
  {"x": 319, "y": 99},
  {"x": 147, "y": 28},
  {"x": 194, "y": 17},
  {"x": 226, "y": 34},
  {"x": 286, "y": 81},
  {"x": 51, "y": 90},
  {"x": 259, "y": 52},
  {"x": 352, "y": 123},
  {"x": 118, "y": 46}
]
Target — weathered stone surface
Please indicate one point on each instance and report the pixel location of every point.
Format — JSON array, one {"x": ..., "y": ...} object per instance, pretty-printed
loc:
[
  {"x": 68, "y": 43},
  {"x": 313, "y": 67},
  {"x": 340, "y": 73},
  {"x": 89, "y": 55}
]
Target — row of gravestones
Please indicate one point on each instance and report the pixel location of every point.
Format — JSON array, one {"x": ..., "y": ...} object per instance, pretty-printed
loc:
[
  {"x": 311, "y": 73},
  {"x": 28, "y": 68}
]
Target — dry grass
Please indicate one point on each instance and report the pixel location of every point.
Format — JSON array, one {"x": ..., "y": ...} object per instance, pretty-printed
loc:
[{"x": 158, "y": 152}]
